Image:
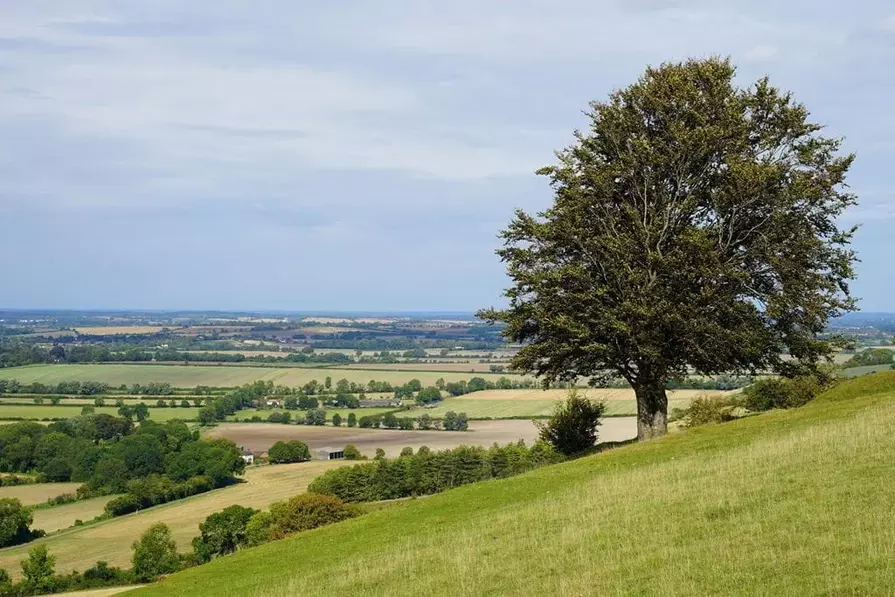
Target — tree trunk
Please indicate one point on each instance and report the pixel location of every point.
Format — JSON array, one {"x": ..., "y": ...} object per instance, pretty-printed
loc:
[{"x": 652, "y": 410}]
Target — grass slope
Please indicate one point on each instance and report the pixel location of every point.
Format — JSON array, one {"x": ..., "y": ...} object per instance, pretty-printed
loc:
[{"x": 786, "y": 503}]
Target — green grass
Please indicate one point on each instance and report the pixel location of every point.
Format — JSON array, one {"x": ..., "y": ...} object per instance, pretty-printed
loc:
[
  {"x": 183, "y": 376},
  {"x": 49, "y": 411},
  {"x": 785, "y": 503}
]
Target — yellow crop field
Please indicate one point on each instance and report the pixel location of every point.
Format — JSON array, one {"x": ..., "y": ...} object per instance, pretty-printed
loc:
[{"x": 37, "y": 493}]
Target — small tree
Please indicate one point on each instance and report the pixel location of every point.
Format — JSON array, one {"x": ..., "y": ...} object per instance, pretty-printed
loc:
[
  {"x": 573, "y": 427},
  {"x": 352, "y": 420},
  {"x": 222, "y": 532},
  {"x": 424, "y": 421},
  {"x": 155, "y": 553},
  {"x": 351, "y": 452},
  {"x": 290, "y": 451},
  {"x": 38, "y": 571},
  {"x": 380, "y": 454},
  {"x": 337, "y": 420},
  {"x": 15, "y": 521},
  {"x": 408, "y": 451}
]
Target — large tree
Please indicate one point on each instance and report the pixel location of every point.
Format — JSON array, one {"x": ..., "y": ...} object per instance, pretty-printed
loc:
[{"x": 694, "y": 228}]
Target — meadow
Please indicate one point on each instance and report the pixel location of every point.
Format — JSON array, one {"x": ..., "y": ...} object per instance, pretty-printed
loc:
[
  {"x": 60, "y": 411},
  {"x": 78, "y": 548},
  {"x": 63, "y": 516},
  {"x": 190, "y": 376},
  {"x": 37, "y": 493},
  {"x": 785, "y": 503}
]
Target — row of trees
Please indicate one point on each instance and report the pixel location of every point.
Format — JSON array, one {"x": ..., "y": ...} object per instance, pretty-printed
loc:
[
  {"x": 450, "y": 422},
  {"x": 429, "y": 472}
]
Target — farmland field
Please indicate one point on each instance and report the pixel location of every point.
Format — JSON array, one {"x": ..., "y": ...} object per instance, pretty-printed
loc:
[
  {"x": 183, "y": 376},
  {"x": 81, "y": 547},
  {"x": 115, "y": 330},
  {"x": 330, "y": 411},
  {"x": 259, "y": 437},
  {"x": 48, "y": 411},
  {"x": 61, "y": 517},
  {"x": 37, "y": 493},
  {"x": 451, "y": 367}
]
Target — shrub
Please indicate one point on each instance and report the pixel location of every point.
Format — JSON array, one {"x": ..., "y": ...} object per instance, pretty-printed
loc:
[
  {"x": 257, "y": 530},
  {"x": 315, "y": 416},
  {"x": 155, "y": 554},
  {"x": 573, "y": 427},
  {"x": 408, "y": 451},
  {"x": 277, "y": 417},
  {"x": 222, "y": 533},
  {"x": 352, "y": 420},
  {"x": 769, "y": 393},
  {"x": 337, "y": 420},
  {"x": 307, "y": 511},
  {"x": 380, "y": 454},
  {"x": 289, "y": 451},
  {"x": 351, "y": 452},
  {"x": 704, "y": 410}
]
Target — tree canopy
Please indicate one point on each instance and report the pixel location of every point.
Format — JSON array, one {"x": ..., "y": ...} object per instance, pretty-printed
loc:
[{"x": 694, "y": 228}]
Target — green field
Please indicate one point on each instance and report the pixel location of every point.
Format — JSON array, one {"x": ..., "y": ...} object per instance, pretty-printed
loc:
[
  {"x": 190, "y": 376},
  {"x": 343, "y": 412},
  {"x": 786, "y": 503},
  {"x": 47, "y": 411}
]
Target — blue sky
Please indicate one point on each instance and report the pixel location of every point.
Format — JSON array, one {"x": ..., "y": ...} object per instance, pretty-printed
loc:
[{"x": 361, "y": 155}]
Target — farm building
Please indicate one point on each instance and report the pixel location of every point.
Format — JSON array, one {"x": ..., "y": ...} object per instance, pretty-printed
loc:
[
  {"x": 248, "y": 456},
  {"x": 330, "y": 453}
]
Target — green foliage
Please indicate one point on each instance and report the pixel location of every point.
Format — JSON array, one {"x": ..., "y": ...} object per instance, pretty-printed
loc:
[
  {"x": 222, "y": 532},
  {"x": 257, "y": 530},
  {"x": 871, "y": 356},
  {"x": 769, "y": 393},
  {"x": 429, "y": 472},
  {"x": 455, "y": 422},
  {"x": 351, "y": 452},
  {"x": 288, "y": 451},
  {"x": 661, "y": 253},
  {"x": 573, "y": 427},
  {"x": 428, "y": 395},
  {"x": 408, "y": 451},
  {"x": 315, "y": 416},
  {"x": 15, "y": 523},
  {"x": 380, "y": 454},
  {"x": 337, "y": 420},
  {"x": 38, "y": 571},
  {"x": 352, "y": 420},
  {"x": 704, "y": 410},
  {"x": 307, "y": 511},
  {"x": 155, "y": 554}
]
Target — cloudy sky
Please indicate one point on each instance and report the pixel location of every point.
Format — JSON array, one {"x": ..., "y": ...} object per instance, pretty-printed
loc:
[{"x": 361, "y": 155}]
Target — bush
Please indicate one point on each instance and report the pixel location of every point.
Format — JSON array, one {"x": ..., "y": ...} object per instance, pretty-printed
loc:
[
  {"x": 222, "y": 533},
  {"x": 307, "y": 511},
  {"x": 573, "y": 427},
  {"x": 289, "y": 451},
  {"x": 277, "y": 417},
  {"x": 155, "y": 554},
  {"x": 315, "y": 416},
  {"x": 769, "y": 393},
  {"x": 351, "y": 452},
  {"x": 257, "y": 530},
  {"x": 408, "y": 451},
  {"x": 337, "y": 420},
  {"x": 704, "y": 410},
  {"x": 352, "y": 420},
  {"x": 38, "y": 571}
]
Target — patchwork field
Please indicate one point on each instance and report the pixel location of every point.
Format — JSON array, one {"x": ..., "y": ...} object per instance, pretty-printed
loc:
[
  {"x": 114, "y": 330},
  {"x": 450, "y": 367},
  {"x": 343, "y": 412},
  {"x": 502, "y": 404},
  {"x": 37, "y": 493},
  {"x": 258, "y": 437},
  {"x": 60, "y": 411},
  {"x": 190, "y": 376},
  {"x": 81, "y": 547}
]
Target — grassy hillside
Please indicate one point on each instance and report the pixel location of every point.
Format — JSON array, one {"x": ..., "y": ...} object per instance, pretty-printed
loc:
[{"x": 786, "y": 503}]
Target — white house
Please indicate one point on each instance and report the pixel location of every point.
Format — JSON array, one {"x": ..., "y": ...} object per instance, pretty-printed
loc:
[{"x": 248, "y": 456}]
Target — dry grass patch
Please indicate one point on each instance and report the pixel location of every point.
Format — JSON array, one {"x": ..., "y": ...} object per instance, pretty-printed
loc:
[
  {"x": 37, "y": 493},
  {"x": 61, "y": 517}
]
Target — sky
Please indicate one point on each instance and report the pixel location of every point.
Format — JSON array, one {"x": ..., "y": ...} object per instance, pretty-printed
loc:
[{"x": 353, "y": 155}]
